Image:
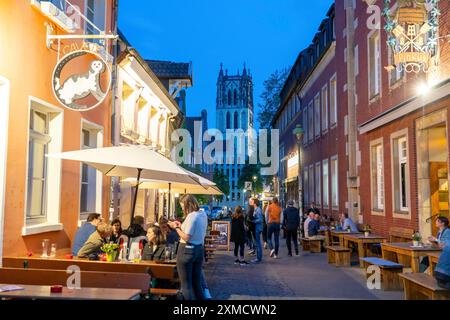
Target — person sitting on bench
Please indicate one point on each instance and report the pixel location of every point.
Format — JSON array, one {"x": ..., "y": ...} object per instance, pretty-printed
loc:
[
  {"x": 348, "y": 223},
  {"x": 442, "y": 239},
  {"x": 85, "y": 231},
  {"x": 95, "y": 241},
  {"x": 442, "y": 271},
  {"x": 314, "y": 226},
  {"x": 156, "y": 245}
]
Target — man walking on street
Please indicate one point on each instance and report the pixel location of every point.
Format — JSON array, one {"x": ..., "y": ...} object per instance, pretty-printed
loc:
[
  {"x": 275, "y": 219},
  {"x": 258, "y": 222},
  {"x": 291, "y": 223}
]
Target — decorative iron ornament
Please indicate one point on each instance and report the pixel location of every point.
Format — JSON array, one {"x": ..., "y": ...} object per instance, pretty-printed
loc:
[{"x": 412, "y": 34}]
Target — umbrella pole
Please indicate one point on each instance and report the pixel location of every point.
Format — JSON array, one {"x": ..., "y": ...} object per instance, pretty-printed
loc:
[
  {"x": 135, "y": 196},
  {"x": 170, "y": 189}
]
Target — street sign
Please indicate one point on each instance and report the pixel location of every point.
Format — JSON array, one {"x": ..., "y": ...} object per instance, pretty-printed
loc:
[{"x": 248, "y": 185}]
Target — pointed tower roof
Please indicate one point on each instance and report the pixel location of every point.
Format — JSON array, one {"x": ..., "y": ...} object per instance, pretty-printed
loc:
[
  {"x": 221, "y": 70},
  {"x": 244, "y": 72}
]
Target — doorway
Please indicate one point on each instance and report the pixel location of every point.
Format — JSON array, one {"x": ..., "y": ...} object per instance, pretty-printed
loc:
[
  {"x": 432, "y": 170},
  {"x": 4, "y": 117}
]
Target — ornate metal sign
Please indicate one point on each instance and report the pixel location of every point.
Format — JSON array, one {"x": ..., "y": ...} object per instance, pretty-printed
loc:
[
  {"x": 81, "y": 80},
  {"x": 412, "y": 34}
]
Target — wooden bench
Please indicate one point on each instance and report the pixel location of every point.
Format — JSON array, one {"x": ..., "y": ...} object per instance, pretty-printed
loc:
[
  {"x": 421, "y": 286},
  {"x": 338, "y": 255},
  {"x": 390, "y": 272},
  {"x": 397, "y": 234},
  {"x": 88, "y": 279},
  {"x": 314, "y": 244}
]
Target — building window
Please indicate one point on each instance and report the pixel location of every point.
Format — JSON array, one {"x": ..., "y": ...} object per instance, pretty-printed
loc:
[
  {"x": 235, "y": 97},
  {"x": 356, "y": 60},
  {"x": 400, "y": 173},
  {"x": 37, "y": 166},
  {"x": 311, "y": 183},
  {"x": 305, "y": 125},
  {"x": 325, "y": 182},
  {"x": 128, "y": 107},
  {"x": 44, "y": 174},
  {"x": 317, "y": 115},
  {"x": 333, "y": 101},
  {"x": 377, "y": 176},
  {"x": 318, "y": 183},
  {"x": 229, "y": 97},
  {"x": 236, "y": 120},
  {"x": 96, "y": 13},
  {"x": 91, "y": 180},
  {"x": 306, "y": 186},
  {"x": 325, "y": 108},
  {"x": 374, "y": 64},
  {"x": 334, "y": 183},
  {"x": 310, "y": 122},
  {"x": 228, "y": 121}
]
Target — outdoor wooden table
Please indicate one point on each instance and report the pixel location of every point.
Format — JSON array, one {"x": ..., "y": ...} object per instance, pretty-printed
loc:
[
  {"x": 434, "y": 259},
  {"x": 399, "y": 250},
  {"x": 362, "y": 243},
  {"x": 43, "y": 292},
  {"x": 340, "y": 235}
]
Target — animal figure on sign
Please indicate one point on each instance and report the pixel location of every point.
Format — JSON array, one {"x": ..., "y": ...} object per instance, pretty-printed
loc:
[{"x": 80, "y": 86}]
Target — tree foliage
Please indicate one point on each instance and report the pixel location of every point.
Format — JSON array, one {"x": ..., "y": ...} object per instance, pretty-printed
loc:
[
  {"x": 248, "y": 172},
  {"x": 222, "y": 182}
]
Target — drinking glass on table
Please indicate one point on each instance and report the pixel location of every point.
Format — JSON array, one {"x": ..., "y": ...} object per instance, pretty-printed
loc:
[
  {"x": 53, "y": 250},
  {"x": 45, "y": 243}
]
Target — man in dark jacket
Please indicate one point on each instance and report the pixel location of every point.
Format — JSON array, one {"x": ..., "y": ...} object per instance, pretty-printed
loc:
[{"x": 291, "y": 222}]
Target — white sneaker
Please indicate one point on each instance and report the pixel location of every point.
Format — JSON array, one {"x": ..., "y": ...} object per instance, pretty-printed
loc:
[
  {"x": 275, "y": 256},
  {"x": 272, "y": 252}
]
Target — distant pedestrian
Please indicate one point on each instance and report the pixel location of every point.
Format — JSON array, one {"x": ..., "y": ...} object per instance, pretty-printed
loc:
[
  {"x": 238, "y": 235},
  {"x": 250, "y": 227},
  {"x": 258, "y": 223},
  {"x": 265, "y": 230},
  {"x": 291, "y": 223},
  {"x": 275, "y": 219}
]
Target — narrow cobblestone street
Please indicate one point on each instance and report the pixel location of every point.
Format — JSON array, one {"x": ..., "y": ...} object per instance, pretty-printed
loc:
[{"x": 307, "y": 276}]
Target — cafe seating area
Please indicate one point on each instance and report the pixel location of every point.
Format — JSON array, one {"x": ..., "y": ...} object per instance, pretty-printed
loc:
[
  {"x": 396, "y": 257},
  {"x": 66, "y": 277}
]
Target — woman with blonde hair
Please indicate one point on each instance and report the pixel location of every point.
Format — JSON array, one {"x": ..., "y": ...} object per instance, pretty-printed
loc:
[{"x": 191, "y": 250}]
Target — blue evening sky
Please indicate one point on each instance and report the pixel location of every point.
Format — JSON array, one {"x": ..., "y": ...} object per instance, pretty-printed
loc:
[{"x": 266, "y": 34}]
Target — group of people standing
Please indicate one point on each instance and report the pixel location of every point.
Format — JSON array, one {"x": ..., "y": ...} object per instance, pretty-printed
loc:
[{"x": 253, "y": 227}]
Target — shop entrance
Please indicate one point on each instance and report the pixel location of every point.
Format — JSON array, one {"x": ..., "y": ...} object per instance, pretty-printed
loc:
[{"x": 432, "y": 170}]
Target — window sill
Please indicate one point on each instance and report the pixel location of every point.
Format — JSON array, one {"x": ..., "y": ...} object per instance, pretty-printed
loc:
[
  {"x": 374, "y": 99},
  {"x": 41, "y": 228},
  {"x": 376, "y": 212},
  {"x": 402, "y": 215}
]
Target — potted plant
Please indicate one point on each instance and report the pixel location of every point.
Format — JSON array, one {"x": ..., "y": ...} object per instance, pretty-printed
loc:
[
  {"x": 416, "y": 238},
  {"x": 110, "y": 249}
]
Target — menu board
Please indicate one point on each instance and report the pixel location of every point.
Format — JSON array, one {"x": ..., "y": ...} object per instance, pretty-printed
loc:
[{"x": 223, "y": 239}]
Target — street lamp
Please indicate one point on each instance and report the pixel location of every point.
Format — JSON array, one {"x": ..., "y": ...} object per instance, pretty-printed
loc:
[
  {"x": 255, "y": 178},
  {"x": 298, "y": 132}
]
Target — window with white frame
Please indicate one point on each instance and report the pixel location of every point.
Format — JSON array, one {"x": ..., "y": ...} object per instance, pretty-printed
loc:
[
  {"x": 356, "y": 60},
  {"x": 317, "y": 115},
  {"x": 334, "y": 182},
  {"x": 306, "y": 185},
  {"x": 325, "y": 108},
  {"x": 325, "y": 184},
  {"x": 318, "y": 183},
  {"x": 377, "y": 176},
  {"x": 400, "y": 173},
  {"x": 374, "y": 64},
  {"x": 96, "y": 13},
  {"x": 333, "y": 101},
  {"x": 305, "y": 125},
  {"x": 128, "y": 107},
  {"x": 311, "y": 183},
  {"x": 91, "y": 180},
  {"x": 310, "y": 122},
  {"x": 43, "y": 174}
]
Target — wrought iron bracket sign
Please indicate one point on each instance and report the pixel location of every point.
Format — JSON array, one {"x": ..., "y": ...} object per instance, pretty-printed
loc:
[{"x": 412, "y": 29}]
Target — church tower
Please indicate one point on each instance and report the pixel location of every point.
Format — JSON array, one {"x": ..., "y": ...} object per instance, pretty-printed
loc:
[{"x": 234, "y": 110}]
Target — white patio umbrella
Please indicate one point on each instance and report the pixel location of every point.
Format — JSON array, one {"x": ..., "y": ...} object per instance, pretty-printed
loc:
[
  {"x": 207, "y": 187},
  {"x": 132, "y": 161}
]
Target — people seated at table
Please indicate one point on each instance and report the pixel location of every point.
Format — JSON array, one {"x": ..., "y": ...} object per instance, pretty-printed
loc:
[
  {"x": 313, "y": 208},
  {"x": 442, "y": 270},
  {"x": 116, "y": 231},
  {"x": 84, "y": 232},
  {"x": 348, "y": 223},
  {"x": 95, "y": 241},
  {"x": 443, "y": 236},
  {"x": 156, "y": 244},
  {"x": 314, "y": 226},
  {"x": 171, "y": 235}
]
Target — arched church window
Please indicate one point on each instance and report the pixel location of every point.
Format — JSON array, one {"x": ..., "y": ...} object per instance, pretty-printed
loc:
[
  {"x": 229, "y": 97},
  {"x": 236, "y": 123},
  {"x": 235, "y": 97},
  {"x": 228, "y": 119}
]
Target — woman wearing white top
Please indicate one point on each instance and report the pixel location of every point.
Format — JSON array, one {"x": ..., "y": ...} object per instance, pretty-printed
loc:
[{"x": 191, "y": 250}]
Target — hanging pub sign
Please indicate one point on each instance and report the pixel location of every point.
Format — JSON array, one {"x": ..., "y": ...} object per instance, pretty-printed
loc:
[
  {"x": 412, "y": 34},
  {"x": 81, "y": 79}
]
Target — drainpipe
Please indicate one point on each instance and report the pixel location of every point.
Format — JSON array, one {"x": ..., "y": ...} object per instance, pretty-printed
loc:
[{"x": 352, "y": 177}]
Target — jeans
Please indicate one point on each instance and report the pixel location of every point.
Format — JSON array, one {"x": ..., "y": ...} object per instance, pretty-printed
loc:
[
  {"x": 264, "y": 233},
  {"x": 239, "y": 248},
  {"x": 291, "y": 235},
  {"x": 259, "y": 251},
  {"x": 189, "y": 267},
  {"x": 274, "y": 229},
  {"x": 443, "y": 280}
]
